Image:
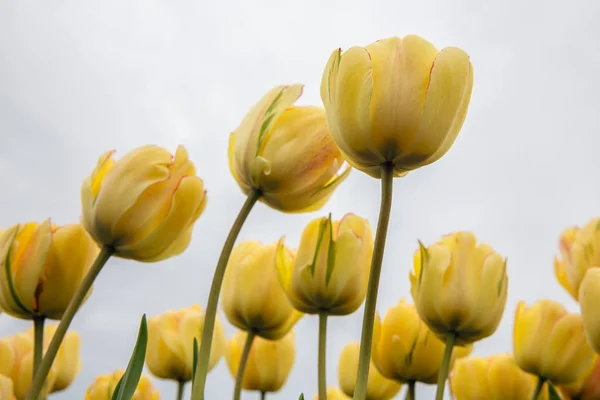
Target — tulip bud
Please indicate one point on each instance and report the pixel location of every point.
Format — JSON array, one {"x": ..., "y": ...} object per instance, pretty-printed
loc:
[
  {"x": 104, "y": 386},
  {"x": 404, "y": 349},
  {"x": 331, "y": 270},
  {"x": 460, "y": 287},
  {"x": 398, "y": 101},
  {"x": 253, "y": 299},
  {"x": 549, "y": 342},
  {"x": 170, "y": 350},
  {"x": 580, "y": 249},
  {"x": 493, "y": 378},
  {"x": 334, "y": 393},
  {"x": 6, "y": 388},
  {"x": 42, "y": 268},
  {"x": 286, "y": 153},
  {"x": 589, "y": 300},
  {"x": 143, "y": 206},
  {"x": 269, "y": 362},
  {"x": 378, "y": 387},
  {"x": 587, "y": 386}
]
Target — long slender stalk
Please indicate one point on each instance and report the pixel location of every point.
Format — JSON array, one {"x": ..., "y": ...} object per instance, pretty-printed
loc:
[
  {"x": 538, "y": 388},
  {"x": 322, "y": 356},
  {"x": 445, "y": 368},
  {"x": 180, "y": 389},
  {"x": 213, "y": 298},
  {"x": 263, "y": 395},
  {"x": 242, "y": 367},
  {"x": 38, "y": 342},
  {"x": 61, "y": 330},
  {"x": 410, "y": 393},
  {"x": 387, "y": 181}
]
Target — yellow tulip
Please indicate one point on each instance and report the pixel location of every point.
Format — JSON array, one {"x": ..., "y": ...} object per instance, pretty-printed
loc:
[
  {"x": 104, "y": 386},
  {"x": 334, "y": 393},
  {"x": 331, "y": 270},
  {"x": 493, "y": 378},
  {"x": 6, "y": 388},
  {"x": 587, "y": 386},
  {"x": 398, "y": 101},
  {"x": 253, "y": 299},
  {"x": 404, "y": 349},
  {"x": 378, "y": 387},
  {"x": 144, "y": 205},
  {"x": 580, "y": 249},
  {"x": 170, "y": 351},
  {"x": 589, "y": 299},
  {"x": 269, "y": 362},
  {"x": 42, "y": 267},
  {"x": 16, "y": 362},
  {"x": 460, "y": 287},
  {"x": 549, "y": 342},
  {"x": 286, "y": 152}
]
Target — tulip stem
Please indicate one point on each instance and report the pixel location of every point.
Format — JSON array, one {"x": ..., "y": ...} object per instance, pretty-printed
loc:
[
  {"x": 410, "y": 393},
  {"x": 364, "y": 360},
  {"x": 38, "y": 342},
  {"x": 263, "y": 395},
  {"x": 322, "y": 356},
  {"x": 61, "y": 330},
  {"x": 237, "y": 393},
  {"x": 213, "y": 298},
  {"x": 180, "y": 389},
  {"x": 445, "y": 368},
  {"x": 538, "y": 388}
]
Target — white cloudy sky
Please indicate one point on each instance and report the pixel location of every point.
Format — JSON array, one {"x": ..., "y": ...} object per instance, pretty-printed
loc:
[{"x": 78, "y": 78}]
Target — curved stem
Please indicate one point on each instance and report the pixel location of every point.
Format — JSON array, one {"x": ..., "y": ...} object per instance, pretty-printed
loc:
[
  {"x": 538, "y": 388},
  {"x": 61, "y": 330},
  {"x": 445, "y": 368},
  {"x": 213, "y": 298},
  {"x": 180, "y": 389},
  {"x": 242, "y": 367},
  {"x": 322, "y": 356},
  {"x": 410, "y": 393},
  {"x": 364, "y": 360}
]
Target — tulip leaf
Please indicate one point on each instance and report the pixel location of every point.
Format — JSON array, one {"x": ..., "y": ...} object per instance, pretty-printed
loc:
[
  {"x": 127, "y": 385},
  {"x": 330, "y": 254},
  {"x": 322, "y": 226},
  {"x": 552, "y": 393},
  {"x": 195, "y": 360},
  {"x": 301, "y": 397}
]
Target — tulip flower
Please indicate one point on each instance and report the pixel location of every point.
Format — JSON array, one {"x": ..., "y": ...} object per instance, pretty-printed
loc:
[
  {"x": 286, "y": 153},
  {"x": 144, "y": 205},
  {"x": 104, "y": 386},
  {"x": 589, "y": 300},
  {"x": 170, "y": 350},
  {"x": 587, "y": 386},
  {"x": 550, "y": 342},
  {"x": 44, "y": 266},
  {"x": 580, "y": 249},
  {"x": 334, "y": 393},
  {"x": 378, "y": 387},
  {"x": 492, "y": 378},
  {"x": 268, "y": 362},
  {"x": 6, "y": 388},
  {"x": 253, "y": 299}
]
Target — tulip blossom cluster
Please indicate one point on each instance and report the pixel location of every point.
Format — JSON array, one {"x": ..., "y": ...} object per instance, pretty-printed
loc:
[{"x": 390, "y": 108}]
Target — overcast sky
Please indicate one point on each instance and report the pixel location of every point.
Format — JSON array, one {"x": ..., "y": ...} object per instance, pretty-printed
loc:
[{"x": 79, "y": 78}]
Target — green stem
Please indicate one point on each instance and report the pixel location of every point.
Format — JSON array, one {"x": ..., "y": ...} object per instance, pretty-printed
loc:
[
  {"x": 445, "y": 368},
  {"x": 61, "y": 330},
  {"x": 242, "y": 367},
  {"x": 364, "y": 360},
  {"x": 180, "y": 389},
  {"x": 213, "y": 298},
  {"x": 322, "y": 356},
  {"x": 410, "y": 393},
  {"x": 538, "y": 388},
  {"x": 263, "y": 395},
  {"x": 38, "y": 342}
]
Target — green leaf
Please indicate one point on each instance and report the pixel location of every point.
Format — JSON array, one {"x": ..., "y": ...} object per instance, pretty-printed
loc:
[
  {"x": 424, "y": 256},
  {"x": 128, "y": 383},
  {"x": 195, "y": 361},
  {"x": 552, "y": 393},
  {"x": 330, "y": 254},
  {"x": 301, "y": 397}
]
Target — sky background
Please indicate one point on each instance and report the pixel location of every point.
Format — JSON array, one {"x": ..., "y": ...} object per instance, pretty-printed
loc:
[{"x": 79, "y": 78}]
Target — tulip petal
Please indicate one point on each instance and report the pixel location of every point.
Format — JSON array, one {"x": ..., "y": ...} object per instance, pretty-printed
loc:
[
  {"x": 238, "y": 174},
  {"x": 91, "y": 187}
]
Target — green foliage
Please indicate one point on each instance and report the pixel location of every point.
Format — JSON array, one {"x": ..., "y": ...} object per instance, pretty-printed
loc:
[{"x": 129, "y": 381}]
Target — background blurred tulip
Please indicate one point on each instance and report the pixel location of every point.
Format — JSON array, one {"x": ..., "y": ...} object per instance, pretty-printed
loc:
[
  {"x": 42, "y": 267},
  {"x": 6, "y": 388},
  {"x": 398, "y": 101},
  {"x": 269, "y": 362},
  {"x": 331, "y": 270},
  {"x": 492, "y": 378},
  {"x": 170, "y": 350},
  {"x": 587, "y": 386},
  {"x": 589, "y": 300},
  {"x": 580, "y": 249},
  {"x": 550, "y": 343},
  {"x": 104, "y": 386},
  {"x": 334, "y": 393},
  {"x": 286, "y": 153},
  {"x": 378, "y": 387},
  {"x": 460, "y": 287},
  {"x": 253, "y": 299},
  {"x": 144, "y": 205}
]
